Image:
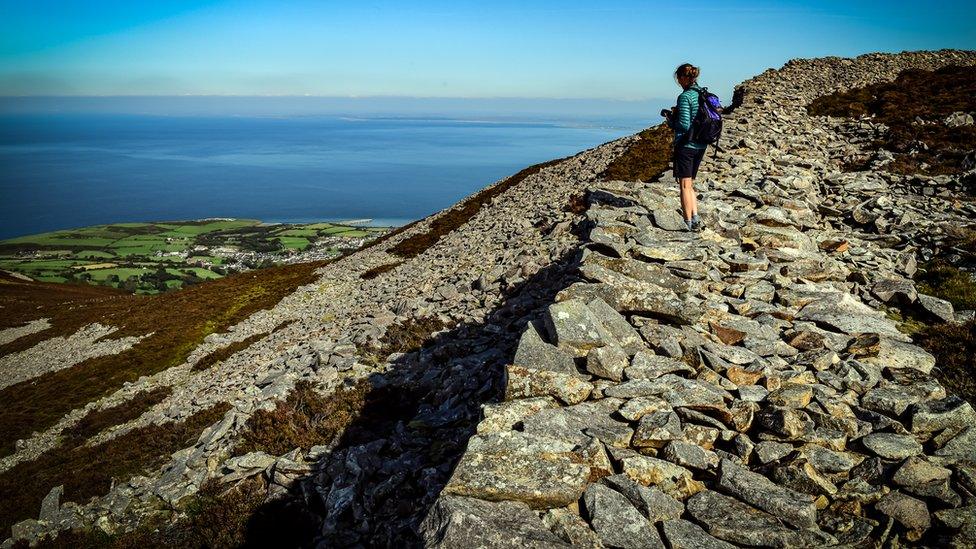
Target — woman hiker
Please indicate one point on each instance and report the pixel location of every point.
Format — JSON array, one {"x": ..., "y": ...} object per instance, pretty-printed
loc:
[{"x": 687, "y": 154}]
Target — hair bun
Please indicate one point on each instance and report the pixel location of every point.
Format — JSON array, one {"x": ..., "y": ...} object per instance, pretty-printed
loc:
[{"x": 687, "y": 70}]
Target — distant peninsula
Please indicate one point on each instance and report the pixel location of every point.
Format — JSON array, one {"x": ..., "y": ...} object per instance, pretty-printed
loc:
[{"x": 154, "y": 257}]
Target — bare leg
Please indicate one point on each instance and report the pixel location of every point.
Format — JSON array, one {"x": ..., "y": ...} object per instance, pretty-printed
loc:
[{"x": 689, "y": 200}]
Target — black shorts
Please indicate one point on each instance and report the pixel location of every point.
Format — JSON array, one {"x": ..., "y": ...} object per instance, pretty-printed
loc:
[{"x": 686, "y": 161}]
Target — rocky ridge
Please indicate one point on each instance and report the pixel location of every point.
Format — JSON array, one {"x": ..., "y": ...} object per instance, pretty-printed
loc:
[{"x": 606, "y": 379}]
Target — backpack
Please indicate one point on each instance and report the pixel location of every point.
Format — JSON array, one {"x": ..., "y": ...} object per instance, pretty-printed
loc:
[{"x": 706, "y": 128}]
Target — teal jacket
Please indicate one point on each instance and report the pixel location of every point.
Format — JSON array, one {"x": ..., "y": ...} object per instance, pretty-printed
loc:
[{"x": 687, "y": 110}]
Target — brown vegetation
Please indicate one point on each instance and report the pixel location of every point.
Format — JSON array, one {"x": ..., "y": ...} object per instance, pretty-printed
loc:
[
  {"x": 305, "y": 419},
  {"x": 408, "y": 336},
  {"x": 451, "y": 219},
  {"x": 178, "y": 322},
  {"x": 954, "y": 347},
  {"x": 24, "y": 300},
  {"x": 377, "y": 271},
  {"x": 87, "y": 471},
  {"x": 645, "y": 159},
  {"x": 576, "y": 204},
  {"x": 98, "y": 420},
  {"x": 928, "y": 146},
  {"x": 217, "y": 516},
  {"x": 942, "y": 280}
]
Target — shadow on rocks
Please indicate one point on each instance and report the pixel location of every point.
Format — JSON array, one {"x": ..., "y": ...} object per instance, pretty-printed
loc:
[{"x": 386, "y": 471}]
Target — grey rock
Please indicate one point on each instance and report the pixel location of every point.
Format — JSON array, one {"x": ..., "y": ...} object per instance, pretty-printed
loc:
[
  {"x": 732, "y": 520},
  {"x": 961, "y": 447},
  {"x": 938, "y": 308},
  {"x": 752, "y": 393},
  {"x": 652, "y": 502},
  {"x": 503, "y": 416},
  {"x": 690, "y": 455},
  {"x": 786, "y": 422},
  {"x": 616, "y": 521},
  {"x": 922, "y": 478},
  {"x": 891, "y": 400},
  {"x": 240, "y": 467},
  {"x": 621, "y": 332},
  {"x": 540, "y": 471},
  {"x": 634, "y": 269},
  {"x": 740, "y": 262},
  {"x": 51, "y": 504},
  {"x": 800, "y": 475},
  {"x": 533, "y": 352},
  {"x": 898, "y": 354},
  {"x": 681, "y": 534},
  {"x": 638, "y": 407},
  {"x": 637, "y": 297},
  {"x": 571, "y": 528},
  {"x": 528, "y": 382},
  {"x": 607, "y": 362},
  {"x": 891, "y": 445},
  {"x": 574, "y": 328},
  {"x": 936, "y": 415},
  {"x": 464, "y": 523},
  {"x": 577, "y": 423},
  {"x": 669, "y": 220},
  {"x": 789, "y": 505},
  {"x": 646, "y": 365},
  {"x": 957, "y": 119},
  {"x": 895, "y": 290},
  {"x": 912, "y": 513},
  {"x": 649, "y": 471},
  {"x": 791, "y": 396},
  {"x": 826, "y": 460},
  {"x": 656, "y": 429}
]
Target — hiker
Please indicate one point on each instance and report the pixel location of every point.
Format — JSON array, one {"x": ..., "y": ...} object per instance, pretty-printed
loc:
[{"x": 687, "y": 154}]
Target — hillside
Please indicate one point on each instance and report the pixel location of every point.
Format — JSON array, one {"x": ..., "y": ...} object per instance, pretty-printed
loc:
[{"x": 550, "y": 362}]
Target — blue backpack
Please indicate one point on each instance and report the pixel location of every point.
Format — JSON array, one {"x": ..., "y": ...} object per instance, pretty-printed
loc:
[{"x": 706, "y": 128}]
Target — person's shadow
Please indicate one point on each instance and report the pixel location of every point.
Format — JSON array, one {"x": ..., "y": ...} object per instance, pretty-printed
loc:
[{"x": 394, "y": 459}]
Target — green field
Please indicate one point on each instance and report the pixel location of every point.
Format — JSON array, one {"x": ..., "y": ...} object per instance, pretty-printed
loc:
[{"x": 131, "y": 255}]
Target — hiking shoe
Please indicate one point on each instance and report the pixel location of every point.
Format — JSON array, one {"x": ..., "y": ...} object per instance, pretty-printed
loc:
[
  {"x": 697, "y": 225},
  {"x": 690, "y": 225}
]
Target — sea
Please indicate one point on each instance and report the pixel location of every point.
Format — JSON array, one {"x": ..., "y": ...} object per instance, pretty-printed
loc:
[{"x": 67, "y": 170}]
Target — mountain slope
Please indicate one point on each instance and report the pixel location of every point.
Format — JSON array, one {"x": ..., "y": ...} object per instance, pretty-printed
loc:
[{"x": 703, "y": 357}]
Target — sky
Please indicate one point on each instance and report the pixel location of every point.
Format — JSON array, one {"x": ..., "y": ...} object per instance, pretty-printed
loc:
[{"x": 609, "y": 50}]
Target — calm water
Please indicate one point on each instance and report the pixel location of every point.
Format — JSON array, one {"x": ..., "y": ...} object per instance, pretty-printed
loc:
[{"x": 63, "y": 171}]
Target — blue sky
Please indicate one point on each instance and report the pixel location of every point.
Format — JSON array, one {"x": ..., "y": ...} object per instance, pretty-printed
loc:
[{"x": 542, "y": 49}]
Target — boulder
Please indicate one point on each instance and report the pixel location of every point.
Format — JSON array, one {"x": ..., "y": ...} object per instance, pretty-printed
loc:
[
  {"x": 574, "y": 328},
  {"x": 911, "y": 513},
  {"x": 464, "y": 523},
  {"x": 577, "y": 423},
  {"x": 503, "y": 416},
  {"x": 616, "y": 521},
  {"x": 533, "y": 352},
  {"x": 729, "y": 519},
  {"x": 646, "y": 365},
  {"x": 651, "y": 502},
  {"x": 891, "y": 445},
  {"x": 607, "y": 362},
  {"x": 681, "y": 534},
  {"x": 789, "y": 505},
  {"x": 540, "y": 471},
  {"x": 528, "y": 382}
]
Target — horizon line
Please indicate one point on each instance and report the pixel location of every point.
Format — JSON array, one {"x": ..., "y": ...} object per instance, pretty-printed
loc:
[{"x": 315, "y": 96}]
